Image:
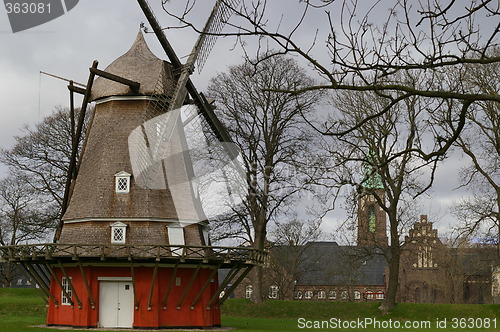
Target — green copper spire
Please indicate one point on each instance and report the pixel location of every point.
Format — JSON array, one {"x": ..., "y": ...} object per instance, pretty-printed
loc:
[{"x": 371, "y": 179}]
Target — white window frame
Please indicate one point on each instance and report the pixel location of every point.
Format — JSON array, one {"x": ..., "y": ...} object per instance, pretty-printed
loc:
[
  {"x": 357, "y": 295},
  {"x": 273, "y": 292},
  {"x": 332, "y": 295},
  {"x": 321, "y": 295},
  {"x": 175, "y": 234},
  {"x": 67, "y": 287},
  {"x": 308, "y": 295},
  {"x": 118, "y": 227},
  {"x": 248, "y": 291},
  {"x": 344, "y": 295},
  {"x": 380, "y": 295},
  {"x": 369, "y": 295},
  {"x": 298, "y": 295},
  {"x": 121, "y": 177}
]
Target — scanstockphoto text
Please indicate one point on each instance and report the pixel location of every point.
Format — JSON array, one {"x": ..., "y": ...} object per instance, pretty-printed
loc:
[{"x": 374, "y": 323}]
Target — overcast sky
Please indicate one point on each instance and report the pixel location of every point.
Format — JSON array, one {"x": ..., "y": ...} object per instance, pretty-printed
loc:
[{"x": 103, "y": 30}]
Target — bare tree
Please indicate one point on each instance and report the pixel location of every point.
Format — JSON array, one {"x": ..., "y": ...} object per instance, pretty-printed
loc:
[
  {"x": 24, "y": 217},
  {"x": 289, "y": 253},
  {"x": 480, "y": 142},
  {"x": 273, "y": 139},
  {"x": 364, "y": 46},
  {"x": 368, "y": 47},
  {"x": 41, "y": 156},
  {"x": 377, "y": 158}
]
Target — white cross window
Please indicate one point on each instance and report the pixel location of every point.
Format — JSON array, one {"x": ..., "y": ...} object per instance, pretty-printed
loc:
[{"x": 65, "y": 300}]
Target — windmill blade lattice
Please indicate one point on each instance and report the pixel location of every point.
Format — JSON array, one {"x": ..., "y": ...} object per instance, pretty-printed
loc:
[{"x": 222, "y": 15}]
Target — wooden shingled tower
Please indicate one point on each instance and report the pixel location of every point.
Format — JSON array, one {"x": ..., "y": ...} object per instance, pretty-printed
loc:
[{"x": 132, "y": 249}]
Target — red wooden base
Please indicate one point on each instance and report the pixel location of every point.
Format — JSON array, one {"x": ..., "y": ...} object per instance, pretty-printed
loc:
[{"x": 156, "y": 316}]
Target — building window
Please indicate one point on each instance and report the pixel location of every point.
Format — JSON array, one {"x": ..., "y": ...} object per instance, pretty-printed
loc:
[
  {"x": 380, "y": 296},
  {"x": 321, "y": 295},
  {"x": 122, "y": 182},
  {"x": 424, "y": 257},
  {"x": 344, "y": 295},
  {"x": 273, "y": 292},
  {"x": 308, "y": 295},
  {"x": 176, "y": 237},
  {"x": 371, "y": 218},
  {"x": 298, "y": 295},
  {"x": 67, "y": 288},
  {"x": 357, "y": 295},
  {"x": 369, "y": 295},
  {"x": 332, "y": 295},
  {"x": 118, "y": 232},
  {"x": 248, "y": 292}
]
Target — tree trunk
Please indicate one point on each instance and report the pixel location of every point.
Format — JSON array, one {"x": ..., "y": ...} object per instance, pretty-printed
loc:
[
  {"x": 257, "y": 294},
  {"x": 257, "y": 275},
  {"x": 392, "y": 288},
  {"x": 8, "y": 274}
]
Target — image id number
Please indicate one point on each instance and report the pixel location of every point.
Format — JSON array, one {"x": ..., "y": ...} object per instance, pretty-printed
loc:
[
  {"x": 27, "y": 8},
  {"x": 473, "y": 323}
]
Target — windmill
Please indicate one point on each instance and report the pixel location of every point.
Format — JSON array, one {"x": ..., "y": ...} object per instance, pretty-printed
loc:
[{"x": 132, "y": 248}]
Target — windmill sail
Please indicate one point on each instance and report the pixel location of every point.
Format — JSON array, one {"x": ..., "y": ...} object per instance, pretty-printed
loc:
[{"x": 175, "y": 137}]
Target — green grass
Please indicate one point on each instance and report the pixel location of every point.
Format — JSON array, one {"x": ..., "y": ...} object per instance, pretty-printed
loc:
[
  {"x": 19, "y": 309},
  {"x": 284, "y": 315},
  {"x": 22, "y": 308},
  {"x": 350, "y": 310}
]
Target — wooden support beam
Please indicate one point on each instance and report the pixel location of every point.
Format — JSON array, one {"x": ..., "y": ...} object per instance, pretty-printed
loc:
[
  {"x": 136, "y": 302},
  {"x": 54, "y": 276},
  {"x": 73, "y": 169},
  {"x": 134, "y": 86},
  {"x": 205, "y": 285},
  {"x": 76, "y": 89},
  {"x": 87, "y": 286},
  {"x": 40, "y": 282},
  {"x": 234, "y": 285},
  {"x": 150, "y": 300},
  {"x": 43, "y": 272},
  {"x": 170, "y": 284},
  {"x": 232, "y": 273},
  {"x": 73, "y": 291},
  {"x": 72, "y": 114},
  {"x": 188, "y": 287}
]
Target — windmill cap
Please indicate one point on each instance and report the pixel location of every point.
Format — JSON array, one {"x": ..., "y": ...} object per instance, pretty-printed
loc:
[{"x": 138, "y": 64}]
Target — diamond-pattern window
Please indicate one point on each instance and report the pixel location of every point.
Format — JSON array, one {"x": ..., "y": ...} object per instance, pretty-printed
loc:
[
  {"x": 118, "y": 232},
  {"x": 119, "y": 235},
  {"x": 122, "y": 182}
]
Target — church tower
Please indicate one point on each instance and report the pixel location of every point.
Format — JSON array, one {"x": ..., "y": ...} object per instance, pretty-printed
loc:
[{"x": 372, "y": 220}]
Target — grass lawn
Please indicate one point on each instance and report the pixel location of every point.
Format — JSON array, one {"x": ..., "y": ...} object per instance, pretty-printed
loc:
[
  {"x": 22, "y": 308},
  {"x": 285, "y": 315}
]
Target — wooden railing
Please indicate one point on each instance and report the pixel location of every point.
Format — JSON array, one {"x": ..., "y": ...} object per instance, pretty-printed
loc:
[{"x": 53, "y": 251}]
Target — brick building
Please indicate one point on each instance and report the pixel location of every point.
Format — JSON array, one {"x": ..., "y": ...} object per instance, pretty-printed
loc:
[{"x": 430, "y": 271}]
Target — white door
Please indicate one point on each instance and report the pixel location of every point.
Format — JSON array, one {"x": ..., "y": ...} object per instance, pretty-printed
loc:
[{"x": 116, "y": 304}]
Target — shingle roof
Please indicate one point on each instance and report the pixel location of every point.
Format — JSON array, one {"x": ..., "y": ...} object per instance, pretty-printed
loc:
[
  {"x": 138, "y": 64},
  {"x": 327, "y": 263}
]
